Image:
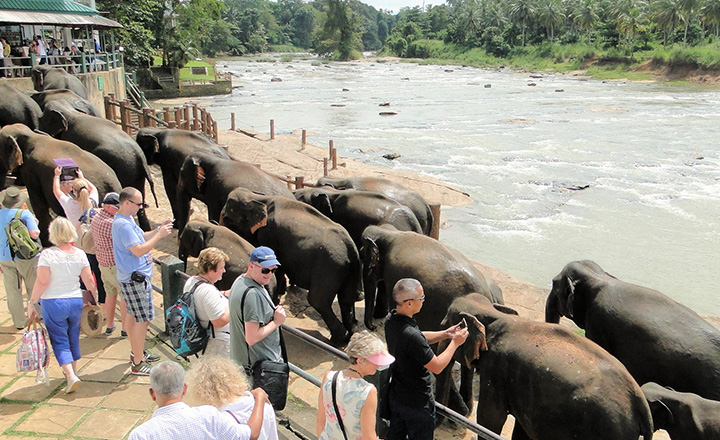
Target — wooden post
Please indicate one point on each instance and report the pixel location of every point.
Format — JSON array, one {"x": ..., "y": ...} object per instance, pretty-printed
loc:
[
  {"x": 201, "y": 123},
  {"x": 153, "y": 121},
  {"x": 435, "y": 231},
  {"x": 166, "y": 115},
  {"x": 178, "y": 117},
  {"x": 195, "y": 125},
  {"x": 215, "y": 131},
  {"x": 208, "y": 123},
  {"x": 108, "y": 107},
  {"x": 186, "y": 111},
  {"x": 325, "y": 166},
  {"x": 304, "y": 139},
  {"x": 334, "y": 159},
  {"x": 146, "y": 119},
  {"x": 330, "y": 148},
  {"x": 299, "y": 182},
  {"x": 289, "y": 182},
  {"x": 124, "y": 116},
  {"x": 232, "y": 121},
  {"x": 272, "y": 129}
]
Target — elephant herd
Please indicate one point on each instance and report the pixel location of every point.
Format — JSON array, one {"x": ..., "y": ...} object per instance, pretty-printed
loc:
[{"x": 354, "y": 237}]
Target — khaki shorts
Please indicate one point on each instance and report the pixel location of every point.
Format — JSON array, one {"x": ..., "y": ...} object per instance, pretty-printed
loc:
[{"x": 109, "y": 277}]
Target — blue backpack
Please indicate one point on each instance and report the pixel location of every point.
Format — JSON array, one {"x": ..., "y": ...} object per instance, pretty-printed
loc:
[{"x": 187, "y": 336}]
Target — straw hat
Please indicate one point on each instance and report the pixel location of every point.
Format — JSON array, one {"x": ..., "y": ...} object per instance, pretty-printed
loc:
[
  {"x": 92, "y": 320},
  {"x": 11, "y": 198}
]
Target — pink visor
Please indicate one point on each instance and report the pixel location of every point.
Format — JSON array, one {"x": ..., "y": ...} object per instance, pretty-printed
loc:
[{"x": 381, "y": 359}]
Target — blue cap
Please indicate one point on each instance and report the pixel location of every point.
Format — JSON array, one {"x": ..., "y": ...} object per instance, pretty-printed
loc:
[{"x": 265, "y": 256}]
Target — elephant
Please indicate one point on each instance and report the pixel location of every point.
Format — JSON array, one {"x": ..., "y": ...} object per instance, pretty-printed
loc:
[
  {"x": 168, "y": 148},
  {"x": 315, "y": 253},
  {"x": 685, "y": 416},
  {"x": 557, "y": 384},
  {"x": 656, "y": 338},
  {"x": 18, "y": 108},
  {"x": 210, "y": 179},
  {"x": 389, "y": 188},
  {"x": 104, "y": 139},
  {"x": 66, "y": 95},
  {"x": 389, "y": 255},
  {"x": 35, "y": 152},
  {"x": 356, "y": 210},
  {"x": 199, "y": 235},
  {"x": 46, "y": 77}
]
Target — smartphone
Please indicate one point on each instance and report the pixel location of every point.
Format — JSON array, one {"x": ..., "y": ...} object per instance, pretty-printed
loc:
[{"x": 463, "y": 323}]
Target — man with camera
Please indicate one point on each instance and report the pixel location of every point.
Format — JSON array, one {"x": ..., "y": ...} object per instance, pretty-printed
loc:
[
  {"x": 411, "y": 396},
  {"x": 131, "y": 247}
]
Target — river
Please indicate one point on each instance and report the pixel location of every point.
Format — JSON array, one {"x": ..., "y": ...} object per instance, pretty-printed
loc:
[{"x": 560, "y": 168}]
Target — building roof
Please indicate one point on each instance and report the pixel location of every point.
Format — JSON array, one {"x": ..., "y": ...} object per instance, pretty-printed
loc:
[{"x": 52, "y": 12}]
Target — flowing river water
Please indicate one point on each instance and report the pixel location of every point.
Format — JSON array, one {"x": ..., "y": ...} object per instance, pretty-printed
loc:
[{"x": 623, "y": 173}]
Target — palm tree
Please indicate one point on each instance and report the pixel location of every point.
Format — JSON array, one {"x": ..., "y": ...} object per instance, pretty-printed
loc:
[
  {"x": 585, "y": 15},
  {"x": 629, "y": 23},
  {"x": 549, "y": 14},
  {"x": 522, "y": 12},
  {"x": 666, "y": 13},
  {"x": 710, "y": 13}
]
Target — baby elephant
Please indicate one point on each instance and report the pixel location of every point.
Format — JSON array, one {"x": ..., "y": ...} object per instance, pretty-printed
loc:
[{"x": 685, "y": 416}]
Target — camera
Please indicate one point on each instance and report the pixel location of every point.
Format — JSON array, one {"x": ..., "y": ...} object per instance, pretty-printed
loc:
[
  {"x": 137, "y": 277},
  {"x": 69, "y": 169}
]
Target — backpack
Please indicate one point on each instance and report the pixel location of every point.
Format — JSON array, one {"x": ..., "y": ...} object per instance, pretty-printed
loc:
[
  {"x": 187, "y": 335},
  {"x": 32, "y": 354},
  {"x": 85, "y": 239},
  {"x": 22, "y": 246}
]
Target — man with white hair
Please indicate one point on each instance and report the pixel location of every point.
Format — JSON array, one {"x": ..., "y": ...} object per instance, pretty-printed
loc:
[{"x": 176, "y": 420}]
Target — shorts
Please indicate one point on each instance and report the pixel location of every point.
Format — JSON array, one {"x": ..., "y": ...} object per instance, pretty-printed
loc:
[
  {"x": 138, "y": 299},
  {"x": 109, "y": 278}
]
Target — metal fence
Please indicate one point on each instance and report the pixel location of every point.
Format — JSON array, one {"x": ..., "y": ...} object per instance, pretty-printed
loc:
[{"x": 173, "y": 276}]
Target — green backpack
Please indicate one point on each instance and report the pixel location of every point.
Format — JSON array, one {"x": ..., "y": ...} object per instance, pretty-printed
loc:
[{"x": 22, "y": 246}]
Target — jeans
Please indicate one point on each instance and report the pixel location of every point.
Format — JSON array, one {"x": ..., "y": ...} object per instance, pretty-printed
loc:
[
  {"x": 411, "y": 423},
  {"x": 62, "y": 320}
]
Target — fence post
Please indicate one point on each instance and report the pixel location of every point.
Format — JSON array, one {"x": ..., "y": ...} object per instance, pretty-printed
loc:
[
  {"x": 299, "y": 182},
  {"x": 289, "y": 182},
  {"x": 435, "y": 231},
  {"x": 166, "y": 115},
  {"x": 207, "y": 127},
  {"x": 124, "y": 123},
  {"x": 334, "y": 158},
  {"x": 108, "y": 105},
  {"x": 172, "y": 284},
  {"x": 113, "y": 113},
  {"x": 178, "y": 117},
  {"x": 215, "y": 131},
  {"x": 232, "y": 121},
  {"x": 304, "y": 139},
  {"x": 146, "y": 117},
  {"x": 195, "y": 125},
  {"x": 272, "y": 129},
  {"x": 325, "y": 166},
  {"x": 186, "y": 115},
  {"x": 153, "y": 121}
]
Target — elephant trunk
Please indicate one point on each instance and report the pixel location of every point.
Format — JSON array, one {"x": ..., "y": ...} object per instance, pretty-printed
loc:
[{"x": 552, "y": 310}]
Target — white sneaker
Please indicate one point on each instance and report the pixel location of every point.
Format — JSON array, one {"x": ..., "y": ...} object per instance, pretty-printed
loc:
[{"x": 72, "y": 385}]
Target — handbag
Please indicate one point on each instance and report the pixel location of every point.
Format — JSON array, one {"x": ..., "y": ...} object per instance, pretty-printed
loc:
[
  {"x": 335, "y": 407},
  {"x": 32, "y": 354},
  {"x": 85, "y": 239},
  {"x": 272, "y": 376}
]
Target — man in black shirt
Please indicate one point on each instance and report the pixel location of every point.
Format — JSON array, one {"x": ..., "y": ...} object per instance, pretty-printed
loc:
[{"x": 411, "y": 395}]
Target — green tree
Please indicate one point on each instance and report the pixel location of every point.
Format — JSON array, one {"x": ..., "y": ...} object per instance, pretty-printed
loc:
[
  {"x": 585, "y": 15},
  {"x": 339, "y": 35},
  {"x": 550, "y": 15},
  {"x": 630, "y": 23},
  {"x": 522, "y": 12},
  {"x": 710, "y": 14},
  {"x": 666, "y": 13},
  {"x": 138, "y": 18}
]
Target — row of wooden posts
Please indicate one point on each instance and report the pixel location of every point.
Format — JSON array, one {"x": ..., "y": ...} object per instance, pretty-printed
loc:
[{"x": 188, "y": 117}]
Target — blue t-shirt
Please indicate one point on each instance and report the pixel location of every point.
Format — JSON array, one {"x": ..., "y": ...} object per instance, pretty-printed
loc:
[
  {"x": 126, "y": 234},
  {"x": 5, "y": 216}
]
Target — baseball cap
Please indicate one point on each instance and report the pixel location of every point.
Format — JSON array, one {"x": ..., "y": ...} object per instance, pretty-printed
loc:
[
  {"x": 265, "y": 256},
  {"x": 382, "y": 358},
  {"x": 111, "y": 198}
]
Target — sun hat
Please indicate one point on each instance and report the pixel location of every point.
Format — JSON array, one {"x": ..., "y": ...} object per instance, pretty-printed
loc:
[
  {"x": 381, "y": 359},
  {"x": 265, "y": 256},
  {"x": 92, "y": 320},
  {"x": 11, "y": 198},
  {"x": 111, "y": 198}
]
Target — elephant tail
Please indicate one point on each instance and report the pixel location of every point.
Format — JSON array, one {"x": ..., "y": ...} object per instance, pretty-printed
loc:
[{"x": 152, "y": 184}]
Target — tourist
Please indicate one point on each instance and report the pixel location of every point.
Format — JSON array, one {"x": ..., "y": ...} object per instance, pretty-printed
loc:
[
  {"x": 175, "y": 420},
  {"x": 57, "y": 289},
  {"x": 220, "y": 382},
  {"x": 101, "y": 230},
  {"x": 411, "y": 395},
  {"x": 212, "y": 305},
  {"x": 131, "y": 247},
  {"x": 355, "y": 398},
  {"x": 75, "y": 196},
  {"x": 41, "y": 50},
  {"x": 15, "y": 270}
]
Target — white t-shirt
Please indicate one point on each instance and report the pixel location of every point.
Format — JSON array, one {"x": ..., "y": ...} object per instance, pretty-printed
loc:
[
  {"x": 210, "y": 304},
  {"x": 243, "y": 407},
  {"x": 73, "y": 209},
  {"x": 65, "y": 271}
]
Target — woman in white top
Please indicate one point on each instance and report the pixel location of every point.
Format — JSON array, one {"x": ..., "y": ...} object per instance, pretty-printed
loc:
[
  {"x": 57, "y": 287},
  {"x": 212, "y": 305},
  {"x": 75, "y": 196},
  {"x": 356, "y": 399},
  {"x": 220, "y": 382}
]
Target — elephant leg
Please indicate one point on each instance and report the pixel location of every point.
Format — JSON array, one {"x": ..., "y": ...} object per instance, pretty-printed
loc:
[
  {"x": 455, "y": 401},
  {"x": 143, "y": 220},
  {"x": 280, "y": 285},
  {"x": 183, "y": 199},
  {"x": 42, "y": 213},
  {"x": 369, "y": 283},
  {"x": 466, "y": 382},
  {"x": 170, "y": 183},
  {"x": 346, "y": 299},
  {"x": 381, "y": 301},
  {"x": 491, "y": 412},
  {"x": 442, "y": 382},
  {"x": 321, "y": 299},
  {"x": 519, "y": 433}
]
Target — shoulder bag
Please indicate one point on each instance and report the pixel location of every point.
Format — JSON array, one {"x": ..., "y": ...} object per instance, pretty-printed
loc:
[
  {"x": 335, "y": 407},
  {"x": 271, "y": 376}
]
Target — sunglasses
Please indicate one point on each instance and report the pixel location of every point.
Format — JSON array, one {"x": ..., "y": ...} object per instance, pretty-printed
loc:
[
  {"x": 141, "y": 204},
  {"x": 422, "y": 298},
  {"x": 266, "y": 271}
]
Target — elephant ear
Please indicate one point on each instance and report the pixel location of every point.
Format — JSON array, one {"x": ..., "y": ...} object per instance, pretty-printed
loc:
[
  {"x": 321, "y": 202},
  {"x": 199, "y": 174},
  {"x": 505, "y": 309},
  {"x": 370, "y": 253},
  {"x": 191, "y": 243},
  {"x": 54, "y": 122},
  {"x": 13, "y": 156},
  {"x": 476, "y": 338}
]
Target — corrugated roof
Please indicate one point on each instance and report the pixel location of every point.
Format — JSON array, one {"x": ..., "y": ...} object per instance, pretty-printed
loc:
[
  {"x": 23, "y": 17},
  {"x": 50, "y": 6}
]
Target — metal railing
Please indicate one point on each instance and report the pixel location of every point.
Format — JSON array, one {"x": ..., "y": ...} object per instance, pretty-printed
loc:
[
  {"x": 79, "y": 63},
  {"x": 481, "y": 431}
]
